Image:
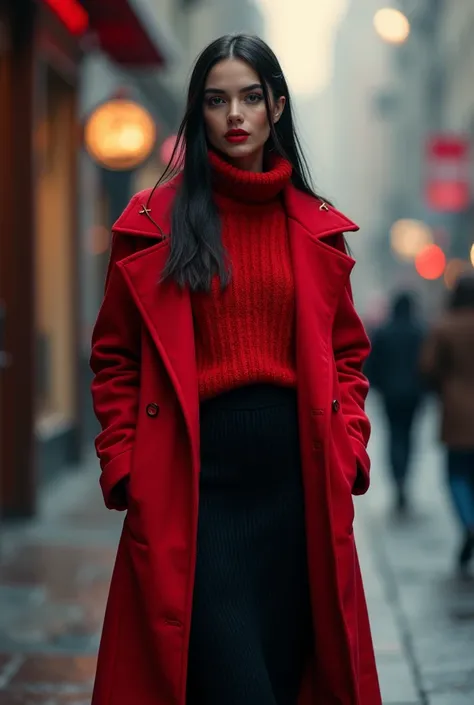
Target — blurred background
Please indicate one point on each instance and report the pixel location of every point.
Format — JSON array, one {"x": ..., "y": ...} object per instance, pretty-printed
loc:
[{"x": 91, "y": 95}]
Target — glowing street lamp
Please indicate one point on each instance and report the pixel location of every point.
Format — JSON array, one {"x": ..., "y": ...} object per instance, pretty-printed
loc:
[
  {"x": 120, "y": 134},
  {"x": 392, "y": 25}
]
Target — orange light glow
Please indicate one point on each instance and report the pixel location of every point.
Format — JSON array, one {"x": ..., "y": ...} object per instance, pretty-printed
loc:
[
  {"x": 430, "y": 263},
  {"x": 120, "y": 134}
]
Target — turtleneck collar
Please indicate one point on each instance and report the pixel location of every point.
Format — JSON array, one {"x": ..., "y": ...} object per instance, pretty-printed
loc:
[{"x": 249, "y": 186}]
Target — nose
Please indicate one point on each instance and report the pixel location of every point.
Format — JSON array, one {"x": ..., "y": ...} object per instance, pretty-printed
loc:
[{"x": 234, "y": 116}]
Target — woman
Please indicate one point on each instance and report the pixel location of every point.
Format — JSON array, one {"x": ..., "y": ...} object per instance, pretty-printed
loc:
[
  {"x": 447, "y": 364},
  {"x": 227, "y": 357}
]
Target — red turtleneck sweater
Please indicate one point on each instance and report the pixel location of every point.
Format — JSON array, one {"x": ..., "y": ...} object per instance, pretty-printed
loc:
[{"x": 245, "y": 333}]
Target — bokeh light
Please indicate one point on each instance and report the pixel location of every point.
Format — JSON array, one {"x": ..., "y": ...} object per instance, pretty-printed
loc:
[
  {"x": 430, "y": 263},
  {"x": 392, "y": 25},
  {"x": 409, "y": 237},
  {"x": 120, "y": 134},
  {"x": 166, "y": 152}
]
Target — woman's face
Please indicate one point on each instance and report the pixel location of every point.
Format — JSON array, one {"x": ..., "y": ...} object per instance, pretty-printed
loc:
[{"x": 235, "y": 114}]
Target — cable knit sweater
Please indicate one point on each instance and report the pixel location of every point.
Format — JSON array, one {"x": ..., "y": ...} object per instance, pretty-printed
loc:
[{"x": 245, "y": 333}]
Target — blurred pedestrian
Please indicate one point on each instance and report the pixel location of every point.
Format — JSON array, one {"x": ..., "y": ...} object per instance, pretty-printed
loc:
[
  {"x": 393, "y": 370},
  {"x": 448, "y": 363},
  {"x": 227, "y": 357}
]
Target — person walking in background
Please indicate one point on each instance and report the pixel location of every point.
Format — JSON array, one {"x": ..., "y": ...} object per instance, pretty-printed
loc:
[
  {"x": 447, "y": 362},
  {"x": 393, "y": 370},
  {"x": 228, "y": 382}
]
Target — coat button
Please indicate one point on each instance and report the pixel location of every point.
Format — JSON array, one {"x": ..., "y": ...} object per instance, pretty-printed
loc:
[
  {"x": 153, "y": 410},
  {"x": 336, "y": 406}
]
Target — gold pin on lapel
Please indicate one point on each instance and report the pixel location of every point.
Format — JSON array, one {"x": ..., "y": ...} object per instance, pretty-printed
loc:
[
  {"x": 324, "y": 207},
  {"x": 144, "y": 211}
]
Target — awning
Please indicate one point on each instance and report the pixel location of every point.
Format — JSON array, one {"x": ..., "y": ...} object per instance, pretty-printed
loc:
[{"x": 129, "y": 32}]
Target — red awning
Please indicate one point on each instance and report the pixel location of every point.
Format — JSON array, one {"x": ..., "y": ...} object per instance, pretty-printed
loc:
[
  {"x": 122, "y": 34},
  {"x": 127, "y": 30}
]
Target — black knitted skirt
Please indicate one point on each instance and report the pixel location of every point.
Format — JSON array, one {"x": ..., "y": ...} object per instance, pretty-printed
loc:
[{"x": 251, "y": 624}]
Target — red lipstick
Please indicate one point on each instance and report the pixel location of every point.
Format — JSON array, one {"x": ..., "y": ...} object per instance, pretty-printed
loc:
[{"x": 236, "y": 136}]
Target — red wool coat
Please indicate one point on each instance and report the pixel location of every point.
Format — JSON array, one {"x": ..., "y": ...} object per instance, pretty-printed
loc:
[{"x": 145, "y": 394}]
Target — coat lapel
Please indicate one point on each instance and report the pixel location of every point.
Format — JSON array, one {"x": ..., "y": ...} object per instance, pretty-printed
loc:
[
  {"x": 165, "y": 307},
  {"x": 321, "y": 269}
]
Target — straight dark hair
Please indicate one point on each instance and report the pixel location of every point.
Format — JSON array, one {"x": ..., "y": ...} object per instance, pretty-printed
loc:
[{"x": 196, "y": 250}]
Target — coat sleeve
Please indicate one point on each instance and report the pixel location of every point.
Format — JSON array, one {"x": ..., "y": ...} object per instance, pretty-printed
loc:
[
  {"x": 351, "y": 348},
  {"x": 115, "y": 360}
]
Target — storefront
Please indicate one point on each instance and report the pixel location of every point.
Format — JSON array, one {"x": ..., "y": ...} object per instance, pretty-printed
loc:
[{"x": 41, "y": 383}]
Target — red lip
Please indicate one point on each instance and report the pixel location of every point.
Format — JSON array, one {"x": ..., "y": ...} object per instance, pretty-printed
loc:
[
  {"x": 236, "y": 136},
  {"x": 236, "y": 133}
]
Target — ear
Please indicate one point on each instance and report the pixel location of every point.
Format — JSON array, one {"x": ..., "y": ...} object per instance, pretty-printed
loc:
[{"x": 278, "y": 108}]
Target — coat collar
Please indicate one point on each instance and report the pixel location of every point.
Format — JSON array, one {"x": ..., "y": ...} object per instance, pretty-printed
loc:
[{"x": 149, "y": 213}]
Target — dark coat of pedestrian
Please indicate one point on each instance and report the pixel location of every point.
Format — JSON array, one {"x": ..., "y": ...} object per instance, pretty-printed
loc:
[{"x": 393, "y": 370}]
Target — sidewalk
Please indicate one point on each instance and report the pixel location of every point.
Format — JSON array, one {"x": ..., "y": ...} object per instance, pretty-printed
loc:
[
  {"x": 54, "y": 580},
  {"x": 422, "y": 616},
  {"x": 55, "y": 572}
]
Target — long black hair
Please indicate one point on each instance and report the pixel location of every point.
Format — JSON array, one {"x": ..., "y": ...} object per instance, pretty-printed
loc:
[{"x": 197, "y": 253}]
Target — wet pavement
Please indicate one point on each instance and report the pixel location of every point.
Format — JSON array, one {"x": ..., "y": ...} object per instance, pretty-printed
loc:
[
  {"x": 54, "y": 578},
  {"x": 55, "y": 571}
]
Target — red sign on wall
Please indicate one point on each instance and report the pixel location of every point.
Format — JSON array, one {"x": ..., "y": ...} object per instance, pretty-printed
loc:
[{"x": 448, "y": 178}]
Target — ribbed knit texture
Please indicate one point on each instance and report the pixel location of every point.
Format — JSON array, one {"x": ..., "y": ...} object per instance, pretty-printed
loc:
[
  {"x": 251, "y": 625},
  {"x": 245, "y": 333}
]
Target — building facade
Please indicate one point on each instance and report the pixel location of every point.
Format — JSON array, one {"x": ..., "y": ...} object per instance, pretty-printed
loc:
[
  {"x": 42, "y": 49},
  {"x": 356, "y": 138}
]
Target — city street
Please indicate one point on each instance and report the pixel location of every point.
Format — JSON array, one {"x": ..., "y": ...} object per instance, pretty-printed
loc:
[{"x": 55, "y": 572}]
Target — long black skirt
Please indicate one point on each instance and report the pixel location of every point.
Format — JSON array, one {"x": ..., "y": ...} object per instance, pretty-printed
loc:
[{"x": 251, "y": 625}]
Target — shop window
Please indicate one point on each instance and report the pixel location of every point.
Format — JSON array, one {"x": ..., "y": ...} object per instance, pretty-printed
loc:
[{"x": 55, "y": 285}]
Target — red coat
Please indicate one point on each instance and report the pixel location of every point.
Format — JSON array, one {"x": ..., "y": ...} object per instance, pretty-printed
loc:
[{"x": 146, "y": 397}]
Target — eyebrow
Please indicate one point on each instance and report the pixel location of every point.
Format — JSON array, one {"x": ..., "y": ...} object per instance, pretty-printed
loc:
[{"x": 220, "y": 91}]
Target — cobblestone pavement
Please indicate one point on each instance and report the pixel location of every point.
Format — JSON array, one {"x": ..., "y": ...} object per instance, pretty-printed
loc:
[{"x": 55, "y": 571}]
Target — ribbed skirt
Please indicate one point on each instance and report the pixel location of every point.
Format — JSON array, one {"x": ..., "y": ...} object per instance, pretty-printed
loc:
[{"x": 251, "y": 624}]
